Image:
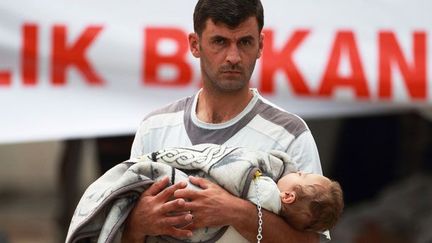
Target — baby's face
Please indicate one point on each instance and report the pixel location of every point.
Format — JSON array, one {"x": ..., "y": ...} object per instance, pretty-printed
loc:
[{"x": 288, "y": 182}]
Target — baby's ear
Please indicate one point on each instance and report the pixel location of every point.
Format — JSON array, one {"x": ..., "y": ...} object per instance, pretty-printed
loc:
[{"x": 288, "y": 197}]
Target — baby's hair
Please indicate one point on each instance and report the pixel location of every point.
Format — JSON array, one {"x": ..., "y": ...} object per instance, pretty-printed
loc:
[{"x": 317, "y": 207}]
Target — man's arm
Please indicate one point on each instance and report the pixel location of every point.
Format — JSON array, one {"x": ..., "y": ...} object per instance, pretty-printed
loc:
[
  {"x": 213, "y": 206},
  {"x": 150, "y": 215},
  {"x": 275, "y": 229}
]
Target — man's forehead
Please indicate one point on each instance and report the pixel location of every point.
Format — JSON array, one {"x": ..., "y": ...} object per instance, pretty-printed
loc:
[{"x": 249, "y": 27}]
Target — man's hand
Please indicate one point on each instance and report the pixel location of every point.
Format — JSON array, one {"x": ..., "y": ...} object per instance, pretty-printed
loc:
[
  {"x": 213, "y": 206},
  {"x": 209, "y": 207},
  {"x": 152, "y": 215}
]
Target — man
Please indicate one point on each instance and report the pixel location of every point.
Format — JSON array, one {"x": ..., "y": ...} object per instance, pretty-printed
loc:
[{"x": 228, "y": 41}]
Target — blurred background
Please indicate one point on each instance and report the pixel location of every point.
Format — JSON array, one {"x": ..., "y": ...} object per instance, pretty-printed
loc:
[{"x": 76, "y": 79}]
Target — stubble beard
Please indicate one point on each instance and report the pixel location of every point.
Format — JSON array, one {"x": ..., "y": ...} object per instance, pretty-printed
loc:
[
  {"x": 228, "y": 86},
  {"x": 221, "y": 84}
]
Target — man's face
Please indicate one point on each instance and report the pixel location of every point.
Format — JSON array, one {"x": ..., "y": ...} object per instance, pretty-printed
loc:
[{"x": 227, "y": 56}]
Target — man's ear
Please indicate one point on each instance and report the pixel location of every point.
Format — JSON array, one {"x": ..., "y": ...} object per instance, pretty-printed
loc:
[
  {"x": 288, "y": 197},
  {"x": 260, "y": 45},
  {"x": 194, "y": 44}
]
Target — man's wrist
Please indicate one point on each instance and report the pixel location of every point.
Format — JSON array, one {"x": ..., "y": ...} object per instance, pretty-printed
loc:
[
  {"x": 242, "y": 212},
  {"x": 246, "y": 220}
]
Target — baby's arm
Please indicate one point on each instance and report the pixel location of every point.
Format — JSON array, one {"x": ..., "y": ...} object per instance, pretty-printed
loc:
[{"x": 268, "y": 194}]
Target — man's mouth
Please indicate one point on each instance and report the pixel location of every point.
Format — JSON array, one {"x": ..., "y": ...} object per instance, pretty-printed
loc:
[{"x": 232, "y": 71}]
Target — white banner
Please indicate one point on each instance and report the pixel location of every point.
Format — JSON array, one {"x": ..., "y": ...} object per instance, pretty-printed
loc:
[{"x": 93, "y": 68}]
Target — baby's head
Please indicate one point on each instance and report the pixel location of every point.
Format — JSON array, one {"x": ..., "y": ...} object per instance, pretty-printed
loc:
[{"x": 310, "y": 201}]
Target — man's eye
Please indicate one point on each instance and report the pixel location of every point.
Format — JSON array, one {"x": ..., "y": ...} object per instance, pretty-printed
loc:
[
  {"x": 219, "y": 41},
  {"x": 245, "y": 42}
]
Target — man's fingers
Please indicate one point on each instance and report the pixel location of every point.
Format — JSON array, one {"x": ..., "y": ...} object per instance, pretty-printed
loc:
[
  {"x": 201, "y": 182},
  {"x": 169, "y": 191},
  {"x": 178, "y": 233},
  {"x": 172, "y": 206},
  {"x": 176, "y": 224},
  {"x": 179, "y": 221},
  {"x": 157, "y": 187},
  {"x": 190, "y": 227},
  {"x": 187, "y": 194}
]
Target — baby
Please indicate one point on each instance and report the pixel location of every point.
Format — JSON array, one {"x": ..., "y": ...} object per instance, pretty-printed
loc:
[{"x": 306, "y": 201}]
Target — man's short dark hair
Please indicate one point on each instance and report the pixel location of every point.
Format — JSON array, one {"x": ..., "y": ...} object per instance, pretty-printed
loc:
[{"x": 229, "y": 12}]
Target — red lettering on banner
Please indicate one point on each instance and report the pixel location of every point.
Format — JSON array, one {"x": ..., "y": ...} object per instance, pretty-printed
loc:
[
  {"x": 5, "y": 78},
  {"x": 344, "y": 43},
  {"x": 29, "y": 54},
  {"x": 64, "y": 56},
  {"x": 273, "y": 60},
  {"x": 414, "y": 75},
  {"x": 153, "y": 60}
]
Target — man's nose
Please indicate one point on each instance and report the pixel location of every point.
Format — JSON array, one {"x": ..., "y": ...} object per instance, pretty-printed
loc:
[{"x": 233, "y": 55}]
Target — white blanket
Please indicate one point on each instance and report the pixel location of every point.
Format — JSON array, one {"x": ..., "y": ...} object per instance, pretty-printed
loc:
[{"x": 107, "y": 202}]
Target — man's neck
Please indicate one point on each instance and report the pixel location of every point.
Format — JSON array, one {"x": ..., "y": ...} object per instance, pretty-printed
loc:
[{"x": 218, "y": 108}]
